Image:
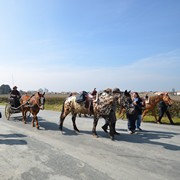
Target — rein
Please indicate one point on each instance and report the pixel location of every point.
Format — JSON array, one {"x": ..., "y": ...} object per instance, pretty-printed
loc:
[{"x": 37, "y": 103}]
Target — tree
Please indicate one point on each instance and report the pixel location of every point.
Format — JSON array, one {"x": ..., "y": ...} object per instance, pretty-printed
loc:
[{"x": 5, "y": 89}]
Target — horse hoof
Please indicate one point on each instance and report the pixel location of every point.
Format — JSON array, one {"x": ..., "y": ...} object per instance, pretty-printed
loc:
[
  {"x": 37, "y": 127},
  {"x": 76, "y": 130},
  {"x": 95, "y": 135},
  {"x": 112, "y": 138}
]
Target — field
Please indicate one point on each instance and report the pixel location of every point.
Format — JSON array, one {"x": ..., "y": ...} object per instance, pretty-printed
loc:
[{"x": 54, "y": 102}]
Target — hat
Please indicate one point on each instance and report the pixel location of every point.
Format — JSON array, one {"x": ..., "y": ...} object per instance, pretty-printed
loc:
[
  {"x": 14, "y": 87},
  {"x": 108, "y": 90},
  {"x": 116, "y": 90}
]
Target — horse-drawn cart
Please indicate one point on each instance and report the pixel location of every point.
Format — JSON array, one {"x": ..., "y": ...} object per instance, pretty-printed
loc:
[
  {"x": 11, "y": 108},
  {"x": 28, "y": 105}
]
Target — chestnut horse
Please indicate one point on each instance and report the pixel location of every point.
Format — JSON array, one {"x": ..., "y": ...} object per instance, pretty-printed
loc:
[
  {"x": 32, "y": 104},
  {"x": 153, "y": 100}
]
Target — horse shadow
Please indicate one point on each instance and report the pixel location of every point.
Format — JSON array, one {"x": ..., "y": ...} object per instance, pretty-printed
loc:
[
  {"x": 8, "y": 139},
  {"x": 46, "y": 125},
  {"x": 148, "y": 137}
]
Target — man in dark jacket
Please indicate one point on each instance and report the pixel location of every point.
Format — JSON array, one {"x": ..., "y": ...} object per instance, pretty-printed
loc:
[
  {"x": 112, "y": 115},
  {"x": 163, "y": 108},
  {"x": 15, "y": 94}
]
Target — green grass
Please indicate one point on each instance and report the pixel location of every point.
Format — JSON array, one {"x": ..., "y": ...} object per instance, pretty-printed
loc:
[
  {"x": 164, "y": 120},
  {"x": 53, "y": 107},
  {"x": 151, "y": 119}
]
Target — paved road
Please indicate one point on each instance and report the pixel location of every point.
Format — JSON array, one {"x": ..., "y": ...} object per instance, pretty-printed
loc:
[{"x": 30, "y": 154}]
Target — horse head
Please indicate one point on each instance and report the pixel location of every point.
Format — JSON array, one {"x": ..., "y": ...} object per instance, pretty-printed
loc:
[
  {"x": 125, "y": 98},
  {"x": 167, "y": 99},
  {"x": 126, "y": 102},
  {"x": 40, "y": 99}
]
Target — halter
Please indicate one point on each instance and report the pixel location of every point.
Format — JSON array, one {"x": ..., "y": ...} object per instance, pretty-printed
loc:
[
  {"x": 126, "y": 102},
  {"x": 40, "y": 103}
]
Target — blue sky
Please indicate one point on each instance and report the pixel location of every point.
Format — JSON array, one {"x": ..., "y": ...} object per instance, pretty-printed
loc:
[{"x": 74, "y": 45}]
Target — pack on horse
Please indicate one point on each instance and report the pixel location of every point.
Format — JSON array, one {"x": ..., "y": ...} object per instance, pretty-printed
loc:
[
  {"x": 33, "y": 104},
  {"x": 100, "y": 108},
  {"x": 152, "y": 102}
]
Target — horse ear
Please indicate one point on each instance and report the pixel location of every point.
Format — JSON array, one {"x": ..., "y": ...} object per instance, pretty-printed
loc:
[
  {"x": 129, "y": 91},
  {"x": 43, "y": 93}
]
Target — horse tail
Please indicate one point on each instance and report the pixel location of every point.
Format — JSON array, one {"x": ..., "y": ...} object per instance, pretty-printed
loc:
[{"x": 62, "y": 111}]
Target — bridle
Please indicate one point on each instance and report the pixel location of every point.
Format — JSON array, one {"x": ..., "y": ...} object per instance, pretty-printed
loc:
[
  {"x": 38, "y": 101},
  {"x": 126, "y": 101}
]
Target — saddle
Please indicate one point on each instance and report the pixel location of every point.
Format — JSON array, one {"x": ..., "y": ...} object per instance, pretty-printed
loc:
[
  {"x": 80, "y": 98},
  {"x": 86, "y": 99}
]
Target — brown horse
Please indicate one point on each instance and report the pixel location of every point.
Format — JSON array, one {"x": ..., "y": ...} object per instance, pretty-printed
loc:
[
  {"x": 33, "y": 104},
  {"x": 153, "y": 100}
]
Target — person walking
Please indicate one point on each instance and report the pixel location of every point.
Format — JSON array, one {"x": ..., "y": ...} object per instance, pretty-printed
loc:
[
  {"x": 138, "y": 104},
  {"x": 112, "y": 115},
  {"x": 132, "y": 115},
  {"x": 163, "y": 108}
]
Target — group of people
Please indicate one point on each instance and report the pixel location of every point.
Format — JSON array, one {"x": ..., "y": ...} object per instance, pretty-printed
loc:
[{"x": 134, "y": 121}]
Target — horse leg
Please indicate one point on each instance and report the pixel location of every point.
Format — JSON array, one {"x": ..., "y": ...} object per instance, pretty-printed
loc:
[
  {"x": 24, "y": 116},
  {"x": 154, "y": 114},
  {"x": 32, "y": 122},
  {"x": 37, "y": 123},
  {"x": 144, "y": 113},
  {"x": 61, "y": 123},
  {"x": 62, "y": 117},
  {"x": 74, "y": 122},
  {"x": 94, "y": 126}
]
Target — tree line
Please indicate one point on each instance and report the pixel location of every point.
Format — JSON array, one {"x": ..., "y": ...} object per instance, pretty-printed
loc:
[{"x": 5, "y": 89}]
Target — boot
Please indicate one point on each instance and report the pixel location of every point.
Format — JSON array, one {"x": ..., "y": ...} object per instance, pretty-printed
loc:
[
  {"x": 169, "y": 117},
  {"x": 113, "y": 126},
  {"x": 105, "y": 127},
  {"x": 159, "y": 120}
]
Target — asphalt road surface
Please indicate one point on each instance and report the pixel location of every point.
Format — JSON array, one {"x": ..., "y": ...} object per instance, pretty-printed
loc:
[{"x": 47, "y": 154}]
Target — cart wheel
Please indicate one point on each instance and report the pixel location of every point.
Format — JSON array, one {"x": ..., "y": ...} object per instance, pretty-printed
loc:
[{"x": 7, "y": 111}]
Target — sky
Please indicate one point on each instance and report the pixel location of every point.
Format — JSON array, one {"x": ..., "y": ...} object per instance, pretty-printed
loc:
[{"x": 75, "y": 45}]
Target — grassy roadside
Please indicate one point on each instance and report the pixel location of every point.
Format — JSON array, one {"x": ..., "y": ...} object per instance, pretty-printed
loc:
[{"x": 54, "y": 103}]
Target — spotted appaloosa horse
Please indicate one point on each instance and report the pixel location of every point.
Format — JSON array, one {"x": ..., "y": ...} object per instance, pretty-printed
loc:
[
  {"x": 33, "y": 104},
  {"x": 100, "y": 108},
  {"x": 153, "y": 100}
]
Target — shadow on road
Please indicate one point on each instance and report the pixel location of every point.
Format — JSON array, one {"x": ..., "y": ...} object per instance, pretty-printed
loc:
[
  {"x": 8, "y": 139},
  {"x": 150, "y": 137}
]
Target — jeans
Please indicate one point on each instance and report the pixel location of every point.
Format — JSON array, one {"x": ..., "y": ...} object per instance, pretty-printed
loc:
[
  {"x": 131, "y": 122},
  {"x": 138, "y": 121}
]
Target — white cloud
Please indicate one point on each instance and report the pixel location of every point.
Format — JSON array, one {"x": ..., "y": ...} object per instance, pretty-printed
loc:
[{"x": 160, "y": 72}]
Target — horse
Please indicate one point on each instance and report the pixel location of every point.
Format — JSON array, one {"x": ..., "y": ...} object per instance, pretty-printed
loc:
[
  {"x": 153, "y": 100},
  {"x": 33, "y": 104},
  {"x": 100, "y": 108}
]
